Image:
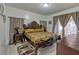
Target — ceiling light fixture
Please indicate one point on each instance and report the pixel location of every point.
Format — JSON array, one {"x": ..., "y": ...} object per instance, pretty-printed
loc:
[{"x": 45, "y": 4}]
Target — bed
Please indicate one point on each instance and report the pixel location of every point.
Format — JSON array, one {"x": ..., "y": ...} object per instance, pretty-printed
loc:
[{"x": 37, "y": 35}]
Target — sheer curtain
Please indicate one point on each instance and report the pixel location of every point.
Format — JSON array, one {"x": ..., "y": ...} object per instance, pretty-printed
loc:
[
  {"x": 64, "y": 20},
  {"x": 59, "y": 28},
  {"x": 71, "y": 33},
  {"x": 71, "y": 27}
]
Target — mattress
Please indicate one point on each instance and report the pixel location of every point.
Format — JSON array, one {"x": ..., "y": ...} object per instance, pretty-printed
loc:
[{"x": 38, "y": 37}]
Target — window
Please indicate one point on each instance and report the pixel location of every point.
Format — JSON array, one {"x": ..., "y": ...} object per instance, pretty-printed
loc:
[{"x": 70, "y": 28}]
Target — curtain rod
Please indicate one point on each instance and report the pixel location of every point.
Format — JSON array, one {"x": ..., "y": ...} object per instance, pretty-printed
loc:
[
  {"x": 66, "y": 14},
  {"x": 14, "y": 17}
]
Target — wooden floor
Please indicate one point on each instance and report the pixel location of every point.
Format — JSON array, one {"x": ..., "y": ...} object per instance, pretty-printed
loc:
[{"x": 63, "y": 49}]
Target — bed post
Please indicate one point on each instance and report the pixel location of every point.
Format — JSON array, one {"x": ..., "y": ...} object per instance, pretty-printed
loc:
[{"x": 36, "y": 49}]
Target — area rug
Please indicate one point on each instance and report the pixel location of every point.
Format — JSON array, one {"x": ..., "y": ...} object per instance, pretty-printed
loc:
[{"x": 26, "y": 49}]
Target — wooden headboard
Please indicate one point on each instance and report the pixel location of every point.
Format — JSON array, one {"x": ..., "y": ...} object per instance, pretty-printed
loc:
[{"x": 33, "y": 25}]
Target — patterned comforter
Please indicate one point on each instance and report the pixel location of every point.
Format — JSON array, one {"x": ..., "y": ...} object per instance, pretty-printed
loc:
[{"x": 38, "y": 37}]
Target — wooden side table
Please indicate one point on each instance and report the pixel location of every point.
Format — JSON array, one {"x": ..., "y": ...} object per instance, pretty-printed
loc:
[{"x": 17, "y": 38}]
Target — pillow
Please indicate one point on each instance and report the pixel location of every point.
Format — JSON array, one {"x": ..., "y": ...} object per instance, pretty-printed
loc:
[
  {"x": 29, "y": 30},
  {"x": 39, "y": 30},
  {"x": 33, "y": 30}
]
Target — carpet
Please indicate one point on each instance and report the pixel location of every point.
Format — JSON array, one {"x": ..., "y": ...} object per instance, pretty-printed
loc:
[{"x": 25, "y": 49}]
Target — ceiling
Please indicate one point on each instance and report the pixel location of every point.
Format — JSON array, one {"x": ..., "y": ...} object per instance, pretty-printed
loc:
[{"x": 38, "y": 7}]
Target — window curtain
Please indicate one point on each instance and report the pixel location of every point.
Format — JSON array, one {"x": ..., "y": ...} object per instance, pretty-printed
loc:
[
  {"x": 73, "y": 16},
  {"x": 77, "y": 19},
  {"x": 55, "y": 19},
  {"x": 64, "y": 20},
  {"x": 61, "y": 19},
  {"x": 15, "y": 22},
  {"x": 67, "y": 17}
]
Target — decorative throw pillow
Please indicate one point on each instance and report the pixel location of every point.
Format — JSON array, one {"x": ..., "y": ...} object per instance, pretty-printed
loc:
[
  {"x": 29, "y": 30},
  {"x": 39, "y": 30}
]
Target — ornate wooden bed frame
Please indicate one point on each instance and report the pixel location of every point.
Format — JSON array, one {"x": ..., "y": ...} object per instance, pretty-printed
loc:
[{"x": 34, "y": 25}]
